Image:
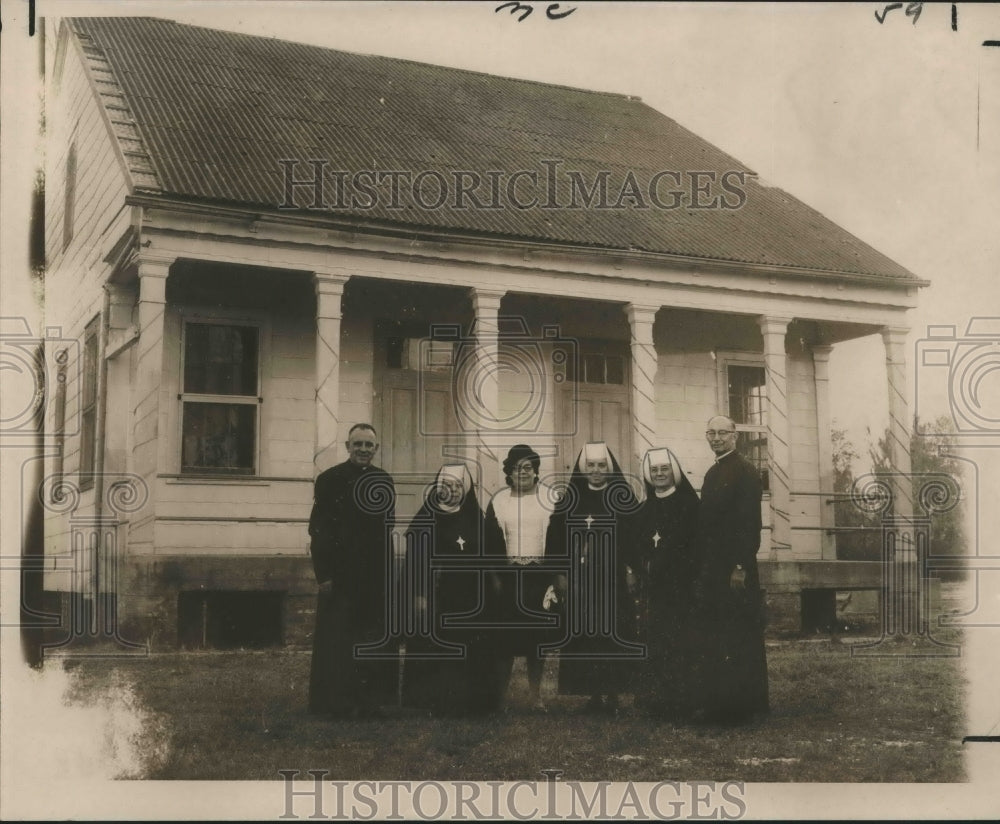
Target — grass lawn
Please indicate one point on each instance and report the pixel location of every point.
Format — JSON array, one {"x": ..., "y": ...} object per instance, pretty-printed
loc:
[{"x": 241, "y": 715}]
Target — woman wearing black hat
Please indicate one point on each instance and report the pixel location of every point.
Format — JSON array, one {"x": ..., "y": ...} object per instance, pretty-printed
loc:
[
  {"x": 517, "y": 520},
  {"x": 448, "y": 668},
  {"x": 587, "y": 537},
  {"x": 662, "y": 540}
]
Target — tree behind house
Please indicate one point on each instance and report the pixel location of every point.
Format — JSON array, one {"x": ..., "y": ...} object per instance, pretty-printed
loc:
[{"x": 859, "y": 533}]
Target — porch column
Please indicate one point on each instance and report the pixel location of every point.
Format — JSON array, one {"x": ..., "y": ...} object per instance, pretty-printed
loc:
[
  {"x": 821, "y": 372},
  {"x": 329, "y": 291},
  {"x": 640, "y": 321},
  {"x": 905, "y": 538},
  {"x": 147, "y": 428},
  {"x": 479, "y": 393},
  {"x": 894, "y": 338},
  {"x": 773, "y": 330}
]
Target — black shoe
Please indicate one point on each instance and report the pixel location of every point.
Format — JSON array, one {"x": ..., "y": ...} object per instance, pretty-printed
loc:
[{"x": 595, "y": 706}]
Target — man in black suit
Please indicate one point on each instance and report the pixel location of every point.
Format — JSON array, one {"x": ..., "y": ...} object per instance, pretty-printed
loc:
[
  {"x": 735, "y": 666},
  {"x": 352, "y": 504}
]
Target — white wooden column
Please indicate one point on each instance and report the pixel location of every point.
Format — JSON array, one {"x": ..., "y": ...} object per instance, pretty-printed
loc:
[
  {"x": 483, "y": 380},
  {"x": 773, "y": 330},
  {"x": 329, "y": 294},
  {"x": 149, "y": 409},
  {"x": 894, "y": 338},
  {"x": 640, "y": 321},
  {"x": 905, "y": 538},
  {"x": 821, "y": 372}
]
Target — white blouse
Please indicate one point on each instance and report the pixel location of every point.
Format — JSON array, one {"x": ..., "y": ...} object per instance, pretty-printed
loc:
[{"x": 524, "y": 521}]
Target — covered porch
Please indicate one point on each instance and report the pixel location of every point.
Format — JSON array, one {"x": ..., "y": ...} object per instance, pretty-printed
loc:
[{"x": 453, "y": 356}]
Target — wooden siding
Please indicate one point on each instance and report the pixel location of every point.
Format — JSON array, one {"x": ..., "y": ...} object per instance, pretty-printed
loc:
[
  {"x": 356, "y": 373},
  {"x": 198, "y": 514},
  {"x": 76, "y": 274}
]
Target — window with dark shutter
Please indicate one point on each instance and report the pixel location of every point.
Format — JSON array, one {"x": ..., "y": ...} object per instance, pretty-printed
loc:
[
  {"x": 69, "y": 203},
  {"x": 88, "y": 404}
]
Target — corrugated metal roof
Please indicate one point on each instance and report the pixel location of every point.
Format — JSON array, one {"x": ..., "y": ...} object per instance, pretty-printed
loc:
[{"x": 217, "y": 111}]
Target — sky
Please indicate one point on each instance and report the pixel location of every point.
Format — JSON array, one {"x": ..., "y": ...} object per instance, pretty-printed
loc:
[{"x": 891, "y": 129}]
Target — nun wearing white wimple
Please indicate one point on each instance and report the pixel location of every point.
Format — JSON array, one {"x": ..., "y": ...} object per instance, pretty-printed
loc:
[
  {"x": 449, "y": 525},
  {"x": 664, "y": 566},
  {"x": 587, "y": 535}
]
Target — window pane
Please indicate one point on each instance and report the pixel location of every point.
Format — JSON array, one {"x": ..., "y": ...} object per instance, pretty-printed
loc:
[
  {"x": 218, "y": 437},
  {"x": 88, "y": 406},
  {"x": 615, "y": 369},
  {"x": 747, "y": 401},
  {"x": 394, "y": 352},
  {"x": 89, "y": 366},
  {"x": 429, "y": 355},
  {"x": 88, "y": 430},
  {"x": 220, "y": 360},
  {"x": 571, "y": 364},
  {"x": 753, "y": 447},
  {"x": 593, "y": 369}
]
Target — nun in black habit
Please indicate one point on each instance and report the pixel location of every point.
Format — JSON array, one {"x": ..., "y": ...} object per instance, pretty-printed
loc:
[
  {"x": 448, "y": 668},
  {"x": 664, "y": 564},
  {"x": 587, "y": 538}
]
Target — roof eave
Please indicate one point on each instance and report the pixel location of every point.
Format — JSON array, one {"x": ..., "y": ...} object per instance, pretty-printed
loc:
[{"x": 432, "y": 234}]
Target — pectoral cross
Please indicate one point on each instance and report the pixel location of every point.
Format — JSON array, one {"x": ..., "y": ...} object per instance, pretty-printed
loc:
[
  {"x": 461, "y": 543},
  {"x": 656, "y": 539}
]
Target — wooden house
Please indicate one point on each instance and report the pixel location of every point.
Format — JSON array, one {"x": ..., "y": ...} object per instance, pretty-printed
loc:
[{"x": 256, "y": 243}]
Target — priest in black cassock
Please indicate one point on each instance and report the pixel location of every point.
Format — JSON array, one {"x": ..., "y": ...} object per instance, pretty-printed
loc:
[
  {"x": 587, "y": 536},
  {"x": 449, "y": 666},
  {"x": 663, "y": 569},
  {"x": 732, "y": 609},
  {"x": 353, "y": 504}
]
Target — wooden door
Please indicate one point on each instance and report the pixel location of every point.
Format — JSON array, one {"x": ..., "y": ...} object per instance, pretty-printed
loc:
[
  {"x": 602, "y": 414},
  {"x": 415, "y": 414}
]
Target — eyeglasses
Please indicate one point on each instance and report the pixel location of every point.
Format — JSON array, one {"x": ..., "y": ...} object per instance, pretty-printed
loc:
[
  {"x": 718, "y": 433},
  {"x": 525, "y": 470}
]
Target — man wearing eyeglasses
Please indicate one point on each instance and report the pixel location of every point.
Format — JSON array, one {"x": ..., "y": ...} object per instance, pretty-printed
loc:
[{"x": 735, "y": 667}]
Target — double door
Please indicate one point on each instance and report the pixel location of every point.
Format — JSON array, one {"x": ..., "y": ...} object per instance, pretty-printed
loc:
[{"x": 419, "y": 430}]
